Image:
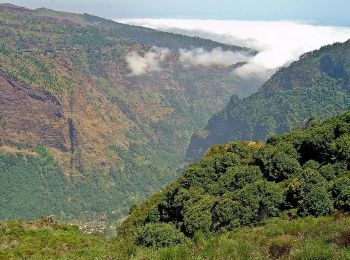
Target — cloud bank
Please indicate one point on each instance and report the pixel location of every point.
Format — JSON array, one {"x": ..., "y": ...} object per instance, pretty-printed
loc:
[
  {"x": 215, "y": 57},
  {"x": 140, "y": 64},
  {"x": 143, "y": 63},
  {"x": 278, "y": 42}
]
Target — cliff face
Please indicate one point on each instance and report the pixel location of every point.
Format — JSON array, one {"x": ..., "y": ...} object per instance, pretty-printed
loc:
[{"x": 30, "y": 117}]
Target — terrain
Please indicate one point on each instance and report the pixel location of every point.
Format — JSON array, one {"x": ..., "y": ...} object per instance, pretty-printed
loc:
[
  {"x": 243, "y": 200},
  {"x": 296, "y": 174},
  {"x": 82, "y": 135},
  {"x": 315, "y": 86}
]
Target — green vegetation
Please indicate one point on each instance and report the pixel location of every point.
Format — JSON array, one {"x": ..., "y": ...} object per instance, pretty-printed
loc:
[
  {"x": 315, "y": 87},
  {"x": 130, "y": 133},
  {"x": 301, "y": 173},
  {"x": 303, "y": 238}
]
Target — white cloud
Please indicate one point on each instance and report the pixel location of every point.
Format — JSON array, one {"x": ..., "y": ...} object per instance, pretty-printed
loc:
[
  {"x": 140, "y": 64},
  {"x": 278, "y": 43},
  {"x": 217, "y": 57}
]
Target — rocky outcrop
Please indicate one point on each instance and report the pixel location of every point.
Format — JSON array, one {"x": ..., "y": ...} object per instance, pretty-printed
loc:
[{"x": 31, "y": 117}]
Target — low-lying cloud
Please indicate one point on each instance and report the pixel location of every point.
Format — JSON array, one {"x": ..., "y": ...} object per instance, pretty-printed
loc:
[
  {"x": 278, "y": 42},
  {"x": 215, "y": 57},
  {"x": 140, "y": 64},
  {"x": 151, "y": 61}
]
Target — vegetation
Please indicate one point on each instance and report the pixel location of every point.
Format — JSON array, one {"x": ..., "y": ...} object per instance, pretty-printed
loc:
[
  {"x": 301, "y": 173},
  {"x": 303, "y": 238},
  {"x": 314, "y": 87},
  {"x": 130, "y": 133}
]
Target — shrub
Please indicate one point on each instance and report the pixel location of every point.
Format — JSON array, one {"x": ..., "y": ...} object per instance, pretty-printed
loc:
[
  {"x": 277, "y": 165},
  {"x": 343, "y": 239},
  {"x": 280, "y": 247},
  {"x": 341, "y": 193},
  {"x": 341, "y": 148},
  {"x": 197, "y": 215},
  {"x": 330, "y": 171},
  {"x": 227, "y": 214},
  {"x": 316, "y": 202},
  {"x": 312, "y": 165},
  {"x": 259, "y": 200},
  {"x": 301, "y": 185},
  {"x": 159, "y": 235},
  {"x": 239, "y": 176}
]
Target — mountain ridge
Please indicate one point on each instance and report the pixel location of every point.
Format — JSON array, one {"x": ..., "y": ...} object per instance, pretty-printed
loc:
[{"x": 317, "y": 85}]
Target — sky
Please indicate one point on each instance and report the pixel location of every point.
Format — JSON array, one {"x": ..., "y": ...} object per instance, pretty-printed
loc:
[{"x": 330, "y": 12}]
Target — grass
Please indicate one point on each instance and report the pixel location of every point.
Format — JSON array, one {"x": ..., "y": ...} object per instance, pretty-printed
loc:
[{"x": 304, "y": 238}]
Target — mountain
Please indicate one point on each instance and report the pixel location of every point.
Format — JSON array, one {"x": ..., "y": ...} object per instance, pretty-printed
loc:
[
  {"x": 287, "y": 199},
  {"x": 82, "y": 134},
  {"x": 315, "y": 86},
  {"x": 293, "y": 175}
]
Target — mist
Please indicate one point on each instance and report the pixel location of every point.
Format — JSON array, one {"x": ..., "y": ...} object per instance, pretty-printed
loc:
[
  {"x": 140, "y": 64},
  {"x": 278, "y": 42},
  {"x": 215, "y": 57}
]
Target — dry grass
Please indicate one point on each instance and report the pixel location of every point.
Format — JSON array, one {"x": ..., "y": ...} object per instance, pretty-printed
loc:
[{"x": 13, "y": 150}]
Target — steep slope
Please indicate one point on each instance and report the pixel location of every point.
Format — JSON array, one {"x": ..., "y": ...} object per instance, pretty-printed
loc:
[
  {"x": 66, "y": 87},
  {"x": 314, "y": 87},
  {"x": 295, "y": 174}
]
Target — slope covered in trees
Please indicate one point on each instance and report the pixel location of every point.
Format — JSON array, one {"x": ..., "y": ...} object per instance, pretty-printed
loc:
[
  {"x": 316, "y": 86},
  {"x": 65, "y": 85},
  {"x": 296, "y": 174}
]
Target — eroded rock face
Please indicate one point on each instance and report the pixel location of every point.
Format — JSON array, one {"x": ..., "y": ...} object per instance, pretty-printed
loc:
[{"x": 31, "y": 117}]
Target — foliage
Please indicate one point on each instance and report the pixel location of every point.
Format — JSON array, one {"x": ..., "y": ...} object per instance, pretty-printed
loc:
[
  {"x": 241, "y": 184},
  {"x": 303, "y": 238},
  {"x": 314, "y": 87},
  {"x": 131, "y": 131},
  {"x": 159, "y": 235}
]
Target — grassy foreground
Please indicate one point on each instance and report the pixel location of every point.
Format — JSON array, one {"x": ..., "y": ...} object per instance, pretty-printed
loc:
[{"x": 303, "y": 238}]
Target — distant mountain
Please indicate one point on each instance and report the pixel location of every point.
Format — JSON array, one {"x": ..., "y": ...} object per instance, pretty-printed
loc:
[
  {"x": 80, "y": 135},
  {"x": 316, "y": 86}
]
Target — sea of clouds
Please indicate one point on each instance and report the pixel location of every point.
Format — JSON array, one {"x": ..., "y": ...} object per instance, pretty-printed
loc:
[{"x": 278, "y": 43}]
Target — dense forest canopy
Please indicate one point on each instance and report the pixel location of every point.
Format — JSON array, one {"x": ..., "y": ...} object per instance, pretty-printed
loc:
[{"x": 296, "y": 174}]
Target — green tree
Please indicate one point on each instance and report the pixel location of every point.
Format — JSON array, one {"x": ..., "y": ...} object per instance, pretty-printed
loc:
[
  {"x": 316, "y": 202},
  {"x": 159, "y": 235}
]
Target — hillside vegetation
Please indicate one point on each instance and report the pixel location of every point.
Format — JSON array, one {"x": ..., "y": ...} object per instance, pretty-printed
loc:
[
  {"x": 296, "y": 174},
  {"x": 288, "y": 199},
  {"x": 305, "y": 238},
  {"x": 316, "y": 86},
  {"x": 112, "y": 138}
]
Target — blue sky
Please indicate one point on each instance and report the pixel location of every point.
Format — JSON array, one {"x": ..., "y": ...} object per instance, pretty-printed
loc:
[{"x": 332, "y": 12}]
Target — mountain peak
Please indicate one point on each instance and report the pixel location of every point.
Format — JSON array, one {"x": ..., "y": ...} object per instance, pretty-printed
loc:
[{"x": 12, "y": 7}]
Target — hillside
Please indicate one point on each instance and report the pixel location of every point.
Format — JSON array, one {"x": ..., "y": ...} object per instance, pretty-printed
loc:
[
  {"x": 296, "y": 174},
  {"x": 305, "y": 238},
  {"x": 81, "y": 134},
  {"x": 243, "y": 200},
  {"x": 315, "y": 86}
]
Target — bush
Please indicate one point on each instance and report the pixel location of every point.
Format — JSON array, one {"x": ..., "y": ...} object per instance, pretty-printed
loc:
[
  {"x": 259, "y": 200},
  {"x": 239, "y": 176},
  {"x": 303, "y": 184},
  {"x": 280, "y": 247},
  {"x": 227, "y": 214},
  {"x": 316, "y": 202},
  {"x": 159, "y": 235},
  {"x": 330, "y": 171},
  {"x": 197, "y": 215},
  {"x": 277, "y": 165},
  {"x": 341, "y": 193}
]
